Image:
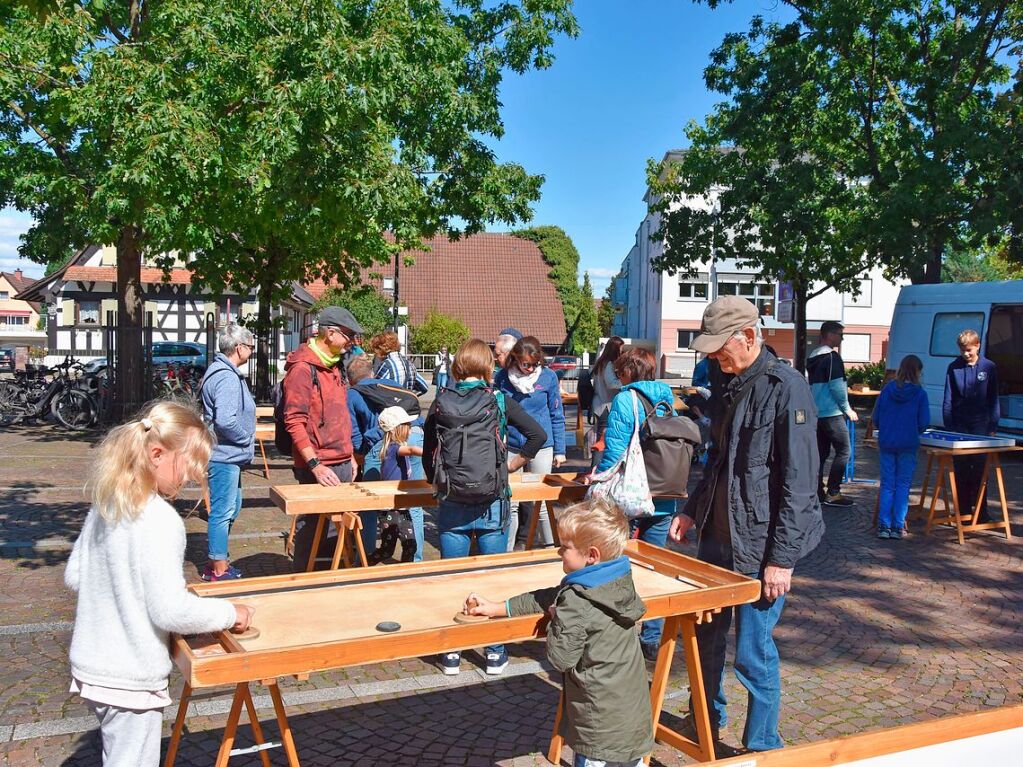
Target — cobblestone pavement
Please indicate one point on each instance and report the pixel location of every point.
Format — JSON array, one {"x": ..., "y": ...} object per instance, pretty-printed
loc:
[{"x": 875, "y": 634}]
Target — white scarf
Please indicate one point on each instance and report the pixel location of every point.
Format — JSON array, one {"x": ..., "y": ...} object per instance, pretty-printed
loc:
[{"x": 524, "y": 383}]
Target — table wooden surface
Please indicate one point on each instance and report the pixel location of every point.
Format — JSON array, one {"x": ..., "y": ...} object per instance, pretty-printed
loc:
[
  {"x": 945, "y": 486},
  {"x": 326, "y": 620}
]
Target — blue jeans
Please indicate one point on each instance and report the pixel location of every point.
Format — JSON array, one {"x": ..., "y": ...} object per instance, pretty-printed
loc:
[
  {"x": 225, "y": 481},
  {"x": 897, "y": 467},
  {"x": 458, "y": 523},
  {"x": 442, "y": 381},
  {"x": 757, "y": 664},
  {"x": 652, "y": 530}
]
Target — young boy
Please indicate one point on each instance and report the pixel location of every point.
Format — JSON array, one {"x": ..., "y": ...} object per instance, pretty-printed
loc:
[{"x": 592, "y": 638}]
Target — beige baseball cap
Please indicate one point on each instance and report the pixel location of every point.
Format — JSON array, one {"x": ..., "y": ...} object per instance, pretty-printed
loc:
[
  {"x": 721, "y": 320},
  {"x": 393, "y": 416}
]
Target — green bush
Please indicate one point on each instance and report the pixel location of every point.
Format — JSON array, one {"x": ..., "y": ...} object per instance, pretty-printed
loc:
[
  {"x": 437, "y": 330},
  {"x": 371, "y": 308},
  {"x": 870, "y": 375}
]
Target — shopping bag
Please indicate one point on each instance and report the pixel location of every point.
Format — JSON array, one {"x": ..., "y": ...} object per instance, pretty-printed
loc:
[{"x": 625, "y": 483}]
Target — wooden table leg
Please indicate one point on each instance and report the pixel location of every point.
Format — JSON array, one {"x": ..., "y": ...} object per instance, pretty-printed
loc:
[
  {"x": 703, "y": 750},
  {"x": 227, "y": 742},
  {"x": 918, "y": 508},
  {"x": 939, "y": 482},
  {"x": 1001, "y": 497},
  {"x": 534, "y": 520},
  {"x": 956, "y": 516},
  {"x": 257, "y": 730},
  {"x": 179, "y": 725},
  {"x": 557, "y": 742},
  {"x": 317, "y": 536},
  {"x": 282, "y": 723},
  {"x": 266, "y": 464}
]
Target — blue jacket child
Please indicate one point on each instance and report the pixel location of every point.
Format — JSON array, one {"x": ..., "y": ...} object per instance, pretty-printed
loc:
[{"x": 901, "y": 415}]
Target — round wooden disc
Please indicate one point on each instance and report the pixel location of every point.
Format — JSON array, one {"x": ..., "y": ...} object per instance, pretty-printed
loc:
[
  {"x": 463, "y": 618},
  {"x": 250, "y": 633}
]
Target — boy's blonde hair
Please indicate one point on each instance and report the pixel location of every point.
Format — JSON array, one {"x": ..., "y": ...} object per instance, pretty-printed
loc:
[
  {"x": 595, "y": 522},
  {"x": 122, "y": 477},
  {"x": 968, "y": 337},
  {"x": 399, "y": 434},
  {"x": 473, "y": 360}
]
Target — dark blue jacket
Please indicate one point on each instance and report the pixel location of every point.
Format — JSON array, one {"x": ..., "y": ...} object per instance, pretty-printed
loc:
[
  {"x": 543, "y": 406},
  {"x": 365, "y": 430},
  {"x": 971, "y": 397},
  {"x": 901, "y": 415}
]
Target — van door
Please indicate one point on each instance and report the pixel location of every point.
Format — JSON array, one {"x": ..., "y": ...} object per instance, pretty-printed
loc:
[{"x": 1005, "y": 349}]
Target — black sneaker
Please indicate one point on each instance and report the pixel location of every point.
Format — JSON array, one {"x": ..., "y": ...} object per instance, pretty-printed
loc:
[
  {"x": 496, "y": 662},
  {"x": 837, "y": 499},
  {"x": 451, "y": 663},
  {"x": 650, "y": 650}
]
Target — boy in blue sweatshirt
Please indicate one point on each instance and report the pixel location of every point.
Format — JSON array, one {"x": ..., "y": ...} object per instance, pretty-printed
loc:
[
  {"x": 900, "y": 417},
  {"x": 592, "y": 638}
]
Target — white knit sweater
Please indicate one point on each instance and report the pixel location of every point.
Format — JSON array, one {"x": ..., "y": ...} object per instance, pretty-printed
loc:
[{"x": 131, "y": 595}]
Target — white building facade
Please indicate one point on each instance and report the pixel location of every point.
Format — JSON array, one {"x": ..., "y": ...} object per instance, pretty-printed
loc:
[{"x": 666, "y": 309}]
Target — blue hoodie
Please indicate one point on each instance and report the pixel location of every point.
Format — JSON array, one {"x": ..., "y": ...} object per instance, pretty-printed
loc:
[
  {"x": 230, "y": 410},
  {"x": 900, "y": 416},
  {"x": 620, "y": 424}
]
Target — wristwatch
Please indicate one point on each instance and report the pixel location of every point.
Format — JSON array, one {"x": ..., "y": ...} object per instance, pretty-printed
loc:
[{"x": 312, "y": 463}]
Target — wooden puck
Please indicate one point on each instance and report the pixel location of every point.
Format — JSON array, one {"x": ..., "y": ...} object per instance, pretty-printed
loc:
[
  {"x": 250, "y": 633},
  {"x": 388, "y": 626},
  {"x": 463, "y": 618}
]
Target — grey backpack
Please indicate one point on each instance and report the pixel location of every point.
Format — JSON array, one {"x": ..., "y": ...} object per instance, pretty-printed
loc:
[{"x": 668, "y": 442}]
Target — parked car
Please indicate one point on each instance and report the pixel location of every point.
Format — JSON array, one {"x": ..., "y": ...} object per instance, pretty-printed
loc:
[
  {"x": 564, "y": 366},
  {"x": 164, "y": 353},
  {"x": 6, "y": 359}
]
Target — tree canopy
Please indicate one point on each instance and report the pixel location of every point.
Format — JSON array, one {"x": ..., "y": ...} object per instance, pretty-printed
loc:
[
  {"x": 608, "y": 308},
  {"x": 561, "y": 255},
  {"x": 271, "y": 140},
  {"x": 366, "y": 303},
  {"x": 585, "y": 330}
]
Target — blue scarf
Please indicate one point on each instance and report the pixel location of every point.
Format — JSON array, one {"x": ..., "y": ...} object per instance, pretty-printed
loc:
[{"x": 598, "y": 574}]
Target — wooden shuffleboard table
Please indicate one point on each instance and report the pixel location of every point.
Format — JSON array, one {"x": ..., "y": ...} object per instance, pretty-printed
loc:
[
  {"x": 329, "y": 503},
  {"x": 318, "y": 621}
]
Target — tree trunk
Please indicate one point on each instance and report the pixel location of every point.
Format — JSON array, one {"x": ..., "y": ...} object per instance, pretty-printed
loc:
[
  {"x": 930, "y": 273},
  {"x": 799, "y": 300},
  {"x": 264, "y": 325},
  {"x": 131, "y": 370}
]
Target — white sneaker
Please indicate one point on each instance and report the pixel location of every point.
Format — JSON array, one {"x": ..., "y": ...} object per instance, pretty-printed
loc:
[{"x": 451, "y": 663}]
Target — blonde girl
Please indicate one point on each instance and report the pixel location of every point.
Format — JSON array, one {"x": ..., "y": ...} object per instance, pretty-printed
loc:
[
  {"x": 127, "y": 569},
  {"x": 396, "y": 464}
]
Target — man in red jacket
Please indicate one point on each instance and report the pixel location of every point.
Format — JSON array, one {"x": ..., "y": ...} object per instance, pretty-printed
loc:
[{"x": 316, "y": 412}]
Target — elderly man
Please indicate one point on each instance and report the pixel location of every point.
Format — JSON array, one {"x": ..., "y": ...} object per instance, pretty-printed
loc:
[
  {"x": 316, "y": 411},
  {"x": 230, "y": 410},
  {"x": 756, "y": 508},
  {"x": 506, "y": 339}
]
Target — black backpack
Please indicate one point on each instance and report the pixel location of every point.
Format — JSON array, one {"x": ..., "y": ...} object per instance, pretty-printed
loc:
[
  {"x": 584, "y": 390},
  {"x": 471, "y": 459},
  {"x": 379, "y": 396},
  {"x": 282, "y": 438},
  {"x": 668, "y": 442}
]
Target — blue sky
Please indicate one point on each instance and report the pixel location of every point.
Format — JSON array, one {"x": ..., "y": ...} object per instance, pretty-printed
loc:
[{"x": 619, "y": 94}]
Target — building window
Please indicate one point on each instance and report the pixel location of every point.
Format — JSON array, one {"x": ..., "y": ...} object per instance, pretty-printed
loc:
[
  {"x": 694, "y": 288},
  {"x": 760, "y": 293},
  {"x": 685, "y": 337},
  {"x": 88, "y": 312},
  {"x": 15, "y": 319},
  {"x": 865, "y": 299},
  {"x": 228, "y": 310},
  {"x": 4, "y": 295},
  {"x": 856, "y": 347}
]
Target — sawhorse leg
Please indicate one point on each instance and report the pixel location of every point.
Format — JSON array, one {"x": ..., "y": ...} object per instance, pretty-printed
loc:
[
  {"x": 266, "y": 464},
  {"x": 242, "y": 695}
]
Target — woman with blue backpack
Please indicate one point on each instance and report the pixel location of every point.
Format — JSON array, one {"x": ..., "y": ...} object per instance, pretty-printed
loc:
[
  {"x": 466, "y": 457},
  {"x": 635, "y": 369},
  {"x": 536, "y": 388}
]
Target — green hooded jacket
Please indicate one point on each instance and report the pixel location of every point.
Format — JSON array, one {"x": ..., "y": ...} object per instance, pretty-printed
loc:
[{"x": 593, "y": 641}]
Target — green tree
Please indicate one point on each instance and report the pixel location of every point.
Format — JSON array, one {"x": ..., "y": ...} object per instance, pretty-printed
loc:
[
  {"x": 272, "y": 141},
  {"x": 606, "y": 314},
  {"x": 586, "y": 329},
  {"x": 905, "y": 95},
  {"x": 370, "y": 308},
  {"x": 438, "y": 330},
  {"x": 561, "y": 255}
]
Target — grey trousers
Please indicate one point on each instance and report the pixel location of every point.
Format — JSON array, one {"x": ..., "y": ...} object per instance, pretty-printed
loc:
[
  {"x": 522, "y": 512},
  {"x": 130, "y": 738}
]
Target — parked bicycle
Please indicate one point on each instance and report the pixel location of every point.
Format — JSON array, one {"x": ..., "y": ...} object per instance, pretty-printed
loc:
[{"x": 31, "y": 397}]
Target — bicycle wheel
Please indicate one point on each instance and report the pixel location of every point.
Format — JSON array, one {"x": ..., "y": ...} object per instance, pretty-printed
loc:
[{"x": 74, "y": 409}]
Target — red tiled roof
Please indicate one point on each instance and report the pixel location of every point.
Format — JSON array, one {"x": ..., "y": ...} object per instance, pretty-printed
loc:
[
  {"x": 489, "y": 281},
  {"x": 109, "y": 274},
  {"x": 19, "y": 282}
]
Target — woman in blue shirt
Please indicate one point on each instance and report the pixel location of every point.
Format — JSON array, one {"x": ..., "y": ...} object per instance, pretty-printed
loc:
[
  {"x": 536, "y": 388},
  {"x": 635, "y": 368}
]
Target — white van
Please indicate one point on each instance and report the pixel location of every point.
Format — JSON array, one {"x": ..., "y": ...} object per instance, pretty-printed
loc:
[{"x": 927, "y": 320}]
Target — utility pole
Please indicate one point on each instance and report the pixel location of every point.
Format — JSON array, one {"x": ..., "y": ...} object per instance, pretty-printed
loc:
[{"x": 397, "y": 258}]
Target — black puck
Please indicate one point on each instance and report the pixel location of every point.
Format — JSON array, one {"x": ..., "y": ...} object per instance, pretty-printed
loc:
[{"x": 388, "y": 626}]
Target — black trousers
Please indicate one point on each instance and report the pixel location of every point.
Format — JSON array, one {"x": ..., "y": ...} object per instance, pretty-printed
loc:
[
  {"x": 833, "y": 433},
  {"x": 306, "y": 525}
]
